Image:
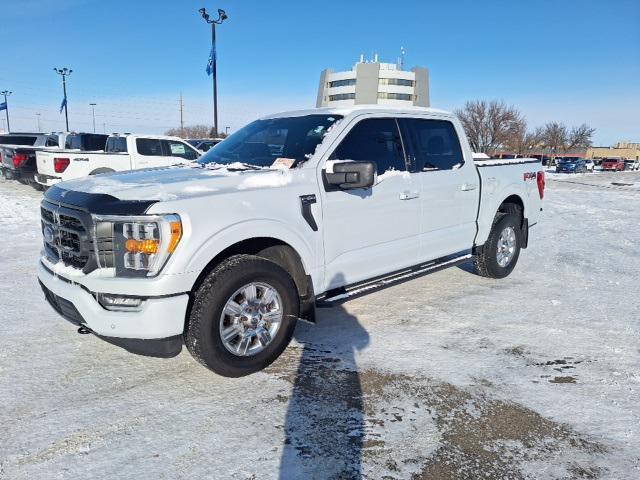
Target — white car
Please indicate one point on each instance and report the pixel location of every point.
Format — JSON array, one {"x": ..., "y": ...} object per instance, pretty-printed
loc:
[
  {"x": 121, "y": 153},
  {"x": 298, "y": 208},
  {"x": 589, "y": 165}
]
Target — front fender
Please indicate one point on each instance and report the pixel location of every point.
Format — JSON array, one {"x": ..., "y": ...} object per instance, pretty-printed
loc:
[{"x": 263, "y": 228}]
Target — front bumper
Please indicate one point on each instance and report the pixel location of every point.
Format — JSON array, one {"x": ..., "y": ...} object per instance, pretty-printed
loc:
[{"x": 158, "y": 318}]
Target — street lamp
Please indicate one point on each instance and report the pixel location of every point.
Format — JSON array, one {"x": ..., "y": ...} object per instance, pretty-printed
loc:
[
  {"x": 93, "y": 113},
  {"x": 222, "y": 16},
  {"x": 6, "y": 93},
  {"x": 64, "y": 73},
  {"x": 38, "y": 120}
]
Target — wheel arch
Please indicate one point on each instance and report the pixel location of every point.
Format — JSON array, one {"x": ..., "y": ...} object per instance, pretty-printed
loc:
[
  {"x": 271, "y": 248},
  {"x": 511, "y": 200}
]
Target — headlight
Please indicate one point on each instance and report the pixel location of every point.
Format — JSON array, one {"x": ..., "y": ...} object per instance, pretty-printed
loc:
[{"x": 136, "y": 246}]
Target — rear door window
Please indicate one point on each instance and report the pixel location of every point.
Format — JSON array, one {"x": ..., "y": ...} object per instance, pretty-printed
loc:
[
  {"x": 149, "y": 147},
  {"x": 374, "y": 139},
  {"x": 434, "y": 144}
]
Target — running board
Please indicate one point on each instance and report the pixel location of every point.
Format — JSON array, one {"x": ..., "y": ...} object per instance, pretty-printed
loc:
[{"x": 343, "y": 294}]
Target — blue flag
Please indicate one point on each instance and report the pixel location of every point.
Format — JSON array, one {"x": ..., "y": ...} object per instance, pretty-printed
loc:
[
  {"x": 212, "y": 59},
  {"x": 3, "y": 106},
  {"x": 63, "y": 104}
]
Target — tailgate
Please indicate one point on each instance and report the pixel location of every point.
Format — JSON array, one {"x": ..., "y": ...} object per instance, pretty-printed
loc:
[{"x": 44, "y": 161}]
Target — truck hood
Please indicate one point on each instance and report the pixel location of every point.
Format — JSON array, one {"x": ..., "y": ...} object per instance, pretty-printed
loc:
[{"x": 177, "y": 182}]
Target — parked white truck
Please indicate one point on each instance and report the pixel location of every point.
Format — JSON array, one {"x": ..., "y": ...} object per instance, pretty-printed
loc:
[
  {"x": 295, "y": 209},
  {"x": 121, "y": 153}
]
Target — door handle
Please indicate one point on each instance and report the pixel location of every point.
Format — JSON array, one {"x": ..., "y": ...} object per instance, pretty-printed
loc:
[
  {"x": 466, "y": 187},
  {"x": 409, "y": 195}
]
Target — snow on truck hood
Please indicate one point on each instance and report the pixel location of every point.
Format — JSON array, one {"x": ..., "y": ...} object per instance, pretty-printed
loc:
[{"x": 174, "y": 183}]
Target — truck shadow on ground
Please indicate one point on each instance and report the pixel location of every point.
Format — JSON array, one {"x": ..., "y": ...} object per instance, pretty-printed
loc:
[
  {"x": 325, "y": 417},
  {"x": 338, "y": 416}
]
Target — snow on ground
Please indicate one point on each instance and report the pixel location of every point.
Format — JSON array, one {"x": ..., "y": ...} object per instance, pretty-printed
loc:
[{"x": 446, "y": 376}]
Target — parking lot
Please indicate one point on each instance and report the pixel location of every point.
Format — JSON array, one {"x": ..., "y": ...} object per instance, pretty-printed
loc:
[{"x": 446, "y": 376}]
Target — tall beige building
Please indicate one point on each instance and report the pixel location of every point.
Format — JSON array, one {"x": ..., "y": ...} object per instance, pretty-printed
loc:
[{"x": 374, "y": 83}]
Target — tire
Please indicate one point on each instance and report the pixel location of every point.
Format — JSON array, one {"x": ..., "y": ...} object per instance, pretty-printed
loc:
[
  {"x": 486, "y": 259},
  {"x": 205, "y": 322}
]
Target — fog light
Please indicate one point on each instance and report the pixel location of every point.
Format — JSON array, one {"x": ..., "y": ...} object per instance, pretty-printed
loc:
[{"x": 119, "y": 303}]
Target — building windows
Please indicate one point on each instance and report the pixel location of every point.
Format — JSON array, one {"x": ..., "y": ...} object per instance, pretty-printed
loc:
[
  {"x": 396, "y": 81},
  {"x": 348, "y": 82},
  {"x": 396, "y": 96},
  {"x": 342, "y": 96}
]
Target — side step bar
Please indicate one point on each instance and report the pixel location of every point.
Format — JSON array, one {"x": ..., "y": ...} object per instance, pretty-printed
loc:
[{"x": 343, "y": 294}]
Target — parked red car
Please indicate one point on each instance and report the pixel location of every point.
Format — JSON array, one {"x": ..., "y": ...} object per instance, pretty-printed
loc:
[{"x": 615, "y": 164}]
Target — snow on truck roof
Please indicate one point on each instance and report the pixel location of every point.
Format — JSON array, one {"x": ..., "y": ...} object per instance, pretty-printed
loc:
[{"x": 357, "y": 108}]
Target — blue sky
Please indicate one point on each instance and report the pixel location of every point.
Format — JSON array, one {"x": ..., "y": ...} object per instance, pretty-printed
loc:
[{"x": 571, "y": 60}]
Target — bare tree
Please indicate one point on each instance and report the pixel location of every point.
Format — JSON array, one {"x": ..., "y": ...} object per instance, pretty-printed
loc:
[
  {"x": 490, "y": 125},
  {"x": 580, "y": 137},
  {"x": 522, "y": 140},
  {"x": 555, "y": 135},
  {"x": 193, "y": 131}
]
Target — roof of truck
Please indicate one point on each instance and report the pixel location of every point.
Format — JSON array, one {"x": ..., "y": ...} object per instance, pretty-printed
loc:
[{"x": 357, "y": 108}]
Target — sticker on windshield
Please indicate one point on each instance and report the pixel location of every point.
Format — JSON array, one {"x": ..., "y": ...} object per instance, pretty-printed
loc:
[
  {"x": 283, "y": 163},
  {"x": 177, "y": 149}
]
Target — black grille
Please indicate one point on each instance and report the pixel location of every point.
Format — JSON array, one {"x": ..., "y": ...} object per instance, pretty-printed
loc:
[
  {"x": 70, "y": 234},
  {"x": 66, "y": 237},
  {"x": 64, "y": 307}
]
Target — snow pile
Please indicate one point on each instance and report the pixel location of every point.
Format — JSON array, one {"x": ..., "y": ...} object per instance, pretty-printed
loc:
[
  {"x": 392, "y": 172},
  {"x": 266, "y": 180}
]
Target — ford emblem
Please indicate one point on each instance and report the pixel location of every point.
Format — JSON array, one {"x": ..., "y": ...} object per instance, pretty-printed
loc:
[{"x": 48, "y": 234}]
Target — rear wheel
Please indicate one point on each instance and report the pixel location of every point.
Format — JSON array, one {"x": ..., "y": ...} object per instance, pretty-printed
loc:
[
  {"x": 243, "y": 316},
  {"x": 498, "y": 256}
]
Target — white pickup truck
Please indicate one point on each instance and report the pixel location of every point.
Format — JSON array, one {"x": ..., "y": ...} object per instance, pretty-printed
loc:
[
  {"x": 121, "y": 153},
  {"x": 294, "y": 210}
]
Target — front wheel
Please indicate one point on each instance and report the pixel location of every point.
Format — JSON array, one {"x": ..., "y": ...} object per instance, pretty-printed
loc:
[
  {"x": 499, "y": 255},
  {"x": 243, "y": 316}
]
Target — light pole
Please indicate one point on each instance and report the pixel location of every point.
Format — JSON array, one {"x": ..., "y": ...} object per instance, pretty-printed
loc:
[
  {"x": 38, "y": 120},
  {"x": 6, "y": 93},
  {"x": 93, "y": 114},
  {"x": 222, "y": 16},
  {"x": 64, "y": 73}
]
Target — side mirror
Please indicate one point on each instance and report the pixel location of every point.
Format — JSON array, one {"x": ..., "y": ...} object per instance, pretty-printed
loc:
[{"x": 351, "y": 175}]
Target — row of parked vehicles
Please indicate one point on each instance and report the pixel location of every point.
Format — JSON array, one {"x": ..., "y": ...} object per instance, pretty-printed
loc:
[
  {"x": 44, "y": 159},
  {"x": 582, "y": 165}
]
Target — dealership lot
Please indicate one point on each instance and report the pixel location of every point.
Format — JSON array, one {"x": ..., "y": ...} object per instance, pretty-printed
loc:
[{"x": 447, "y": 376}]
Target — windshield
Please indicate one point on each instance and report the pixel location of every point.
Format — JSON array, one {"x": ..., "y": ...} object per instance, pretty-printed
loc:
[{"x": 262, "y": 142}]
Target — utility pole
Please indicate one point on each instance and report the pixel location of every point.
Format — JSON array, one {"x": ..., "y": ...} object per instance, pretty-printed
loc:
[
  {"x": 6, "y": 93},
  {"x": 64, "y": 73},
  {"x": 38, "y": 120},
  {"x": 181, "y": 118},
  {"x": 93, "y": 113},
  {"x": 226, "y": 131},
  {"x": 212, "y": 67}
]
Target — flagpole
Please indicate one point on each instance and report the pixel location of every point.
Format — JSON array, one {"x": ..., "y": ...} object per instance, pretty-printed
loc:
[
  {"x": 215, "y": 80},
  {"x": 222, "y": 16},
  {"x": 6, "y": 107},
  {"x": 64, "y": 72}
]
